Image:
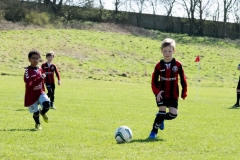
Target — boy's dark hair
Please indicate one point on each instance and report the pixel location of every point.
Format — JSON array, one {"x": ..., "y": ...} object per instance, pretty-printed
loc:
[
  {"x": 51, "y": 53},
  {"x": 32, "y": 52}
]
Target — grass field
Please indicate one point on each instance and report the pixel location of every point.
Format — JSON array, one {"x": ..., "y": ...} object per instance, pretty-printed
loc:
[
  {"x": 120, "y": 57},
  {"x": 88, "y": 112},
  {"x": 106, "y": 84}
]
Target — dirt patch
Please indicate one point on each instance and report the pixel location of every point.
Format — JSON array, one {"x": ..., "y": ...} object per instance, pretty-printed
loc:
[{"x": 109, "y": 27}]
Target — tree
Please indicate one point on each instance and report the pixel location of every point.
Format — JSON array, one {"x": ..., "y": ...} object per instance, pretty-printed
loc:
[
  {"x": 216, "y": 12},
  {"x": 190, "y": 7},
  {"x": 236, "y": 12},
  {"x": 168, "y": 5},
  {"x": 12, "y": 10},
  {"x": 101, "y": 7},
  {"x": 236, "y": 15},
  {"x": 203, "y": 10},
  {"x": 68, "y": 10},
  {"x": 154, "y": 4},
  {"x": 227, "y": 6},
  {"x": 117, "y": 5},
  {"x": 141, "y": 5},
  {"x": 88, "y": 3}
]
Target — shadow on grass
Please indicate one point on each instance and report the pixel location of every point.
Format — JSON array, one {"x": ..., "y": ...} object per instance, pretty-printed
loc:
[
  {"x": 146, "y": 140},
  {"x": 233, "y": 108},
  {"x": 20, "y": 110},
  {"x": 13, "y": 130}
]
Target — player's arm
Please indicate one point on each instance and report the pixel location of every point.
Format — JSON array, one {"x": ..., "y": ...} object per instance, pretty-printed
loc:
[
  {"x": 43, "y": 72},
  {"x": 155, "y": 81},
  {"x": 32, "y": 80},
  {"x": 183, "y": 82},
  {"x": 58, "y": 75},
  {"x": 42, "y": 66}
]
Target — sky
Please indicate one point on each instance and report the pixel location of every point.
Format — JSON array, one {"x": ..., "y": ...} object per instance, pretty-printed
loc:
[{"x": 178, "y": 10}]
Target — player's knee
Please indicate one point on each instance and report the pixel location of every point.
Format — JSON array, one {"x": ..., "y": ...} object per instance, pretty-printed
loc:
[
  {"x": 36, "y": 114},
  {"x": 46, "y": 104},
  {"x": 170, "y": 116}
]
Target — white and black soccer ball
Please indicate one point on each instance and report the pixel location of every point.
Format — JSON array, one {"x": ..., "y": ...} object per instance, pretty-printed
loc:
[{"x": 123, "y": 134}]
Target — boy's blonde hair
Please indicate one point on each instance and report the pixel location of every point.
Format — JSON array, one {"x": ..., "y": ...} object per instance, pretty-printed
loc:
[
  {"x": 50, "y": 53},
  {"x": 168, "y": 42}
]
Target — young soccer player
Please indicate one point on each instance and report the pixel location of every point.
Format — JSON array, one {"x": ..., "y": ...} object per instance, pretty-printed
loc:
[
  {"x": 49, "y": 69},
  {"x": 165, "y": 86},
  {"x": 238, "y": 91},
  {"x": 34, "y": 94}
]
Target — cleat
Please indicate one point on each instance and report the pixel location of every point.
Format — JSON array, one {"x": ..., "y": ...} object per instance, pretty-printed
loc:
[
  {"x": 38, "y": 127},
  {"x": 52, "y": 107},
  {"x": 153, "y": 135},
  {"x": 235, "y": 106},
  {"x": 161, "y": 127},
  {"x": 45, "y": 117}
]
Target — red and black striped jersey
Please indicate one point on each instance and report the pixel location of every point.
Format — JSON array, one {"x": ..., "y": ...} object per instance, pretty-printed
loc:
[
  {"x": 49, "y": 70},
  {"x": 165, "y": 78},
  {"x": 34, "y": 85}
]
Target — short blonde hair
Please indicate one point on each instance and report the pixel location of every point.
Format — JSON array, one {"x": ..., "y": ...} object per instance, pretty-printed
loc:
[
  {"x": 168, "y": 42},
  {"x": 50, "y": 53}
]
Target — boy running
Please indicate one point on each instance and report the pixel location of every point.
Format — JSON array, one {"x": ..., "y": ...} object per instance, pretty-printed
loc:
[
  {"x": 49, "y": 68},
  {"x": 165, "y": 86},
  {"x": 34, "y": 94}
]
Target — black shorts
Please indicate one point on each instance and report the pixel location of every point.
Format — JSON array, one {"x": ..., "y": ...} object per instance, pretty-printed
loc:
[
  {"x": 238, "y": 86},
  {"x": 168, "y": 102}
]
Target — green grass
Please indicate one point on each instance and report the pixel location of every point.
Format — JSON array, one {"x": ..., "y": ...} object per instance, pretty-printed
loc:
[
  {"x": 120, "y": 57},
  {"x": 88, "y": 113},
  {"x": 106, "y": 84}
]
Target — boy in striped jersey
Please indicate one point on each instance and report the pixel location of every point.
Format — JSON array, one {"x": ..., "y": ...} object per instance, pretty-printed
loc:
[
  {"x": 35, "y": 92},
  {"x": 165, "y": 86},
  {"x": 49, "y": 69}
]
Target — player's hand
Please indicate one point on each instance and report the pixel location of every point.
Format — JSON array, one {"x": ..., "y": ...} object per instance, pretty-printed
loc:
[
  {"x": 184, "y": 95},
  {"x": 43, "y": 75},
  {"x": 159, "y": 96},
  {"x": 59, "y": 82}
]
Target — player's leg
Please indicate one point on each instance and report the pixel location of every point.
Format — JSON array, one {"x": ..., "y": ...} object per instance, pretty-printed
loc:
[
  {"x": 238, "y": 95},
  {"x": 45, "y": 104},
  {"x": 158, "y": 119},
  {"x": 172, "y": 114},
  {"x": 161, "y": 116},
  {"x": 173, "y": 109},
  {"x": 34, "y": 109},
  {"x": 49, "y": 89},
  {"x": 52, "y": 96}
]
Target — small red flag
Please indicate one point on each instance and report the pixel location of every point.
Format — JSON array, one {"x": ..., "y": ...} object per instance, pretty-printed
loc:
[{"x": 197, "y": 59}]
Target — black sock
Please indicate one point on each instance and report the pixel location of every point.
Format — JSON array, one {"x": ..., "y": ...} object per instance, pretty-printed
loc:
[
  {"x": 46, "y": 105},
  {"x": 170, "y": 116},
  {"x": 36, "y": 118},
  {"x": 158, "y": 120},
  {"x": 44, "y": 110},
  {"x": 238, "y": 97}
]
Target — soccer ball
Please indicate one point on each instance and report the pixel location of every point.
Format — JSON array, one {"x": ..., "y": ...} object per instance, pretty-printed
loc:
[{"x": 123, "y": 134}]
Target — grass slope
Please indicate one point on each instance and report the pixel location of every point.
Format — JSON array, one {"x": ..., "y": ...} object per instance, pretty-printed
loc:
[
  {"x": 88, "y": 112},
  {"x": 120, "y": 57},
  {"x": 96, "y": 97}
]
